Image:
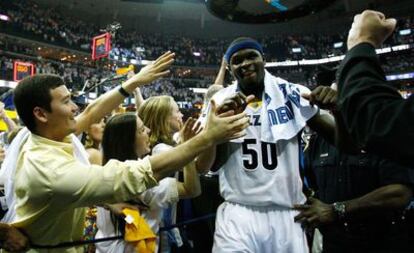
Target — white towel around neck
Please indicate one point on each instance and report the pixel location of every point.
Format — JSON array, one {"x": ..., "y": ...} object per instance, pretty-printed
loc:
[{"x": 284, "y": 113}]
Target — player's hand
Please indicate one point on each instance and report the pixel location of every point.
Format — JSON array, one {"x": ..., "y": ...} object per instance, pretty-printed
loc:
[
  {"x": 154, "y": 70},
  {"x": 224, "y": 127},
  {"x": 236, "y": 103},
  {"x": 322, "y": 96},
  {"x": 372, "y": 27},
  {"x": 314, "y": 213}
]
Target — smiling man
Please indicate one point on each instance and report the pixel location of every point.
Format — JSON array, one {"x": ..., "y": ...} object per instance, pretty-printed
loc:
[
  {"x": 259, "y": 173},
  {"x": 53, "y": 180}
]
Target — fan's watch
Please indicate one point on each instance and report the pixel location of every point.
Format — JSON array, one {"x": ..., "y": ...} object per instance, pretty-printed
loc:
[{"x": 339, "y": 209}]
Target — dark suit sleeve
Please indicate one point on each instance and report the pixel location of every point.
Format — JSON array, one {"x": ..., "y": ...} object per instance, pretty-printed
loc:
[
  {"x": 390, "y": 172},
  {"x": 375, "y": 115}
]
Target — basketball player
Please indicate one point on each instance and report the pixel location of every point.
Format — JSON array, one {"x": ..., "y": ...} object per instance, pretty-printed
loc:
[{"x": 259, "y": 175}]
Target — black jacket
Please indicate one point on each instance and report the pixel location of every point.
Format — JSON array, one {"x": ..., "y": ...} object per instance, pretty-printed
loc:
[{"x": 371, "y": 110}]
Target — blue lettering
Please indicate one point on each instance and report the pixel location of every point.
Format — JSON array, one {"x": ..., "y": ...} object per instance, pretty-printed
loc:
[
  {"x": 272, "y": 116},
  {"x": 267, "y": 99},
  {"x": 295, "y": 98},
  {"x": 282, "y": 114},
  {"x": 282, "y": 87},
  {"x": 289, "y": 110}
]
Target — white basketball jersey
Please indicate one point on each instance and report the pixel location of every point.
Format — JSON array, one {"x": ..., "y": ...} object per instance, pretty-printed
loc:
[{"x": 258, "y": 173}]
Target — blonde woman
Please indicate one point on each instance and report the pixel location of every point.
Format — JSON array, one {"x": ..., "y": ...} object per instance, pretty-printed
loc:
[{"x": 163, "y": 117}]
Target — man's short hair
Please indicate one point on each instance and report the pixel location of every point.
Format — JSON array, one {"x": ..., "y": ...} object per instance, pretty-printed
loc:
[{"x": 34, "y": 91}]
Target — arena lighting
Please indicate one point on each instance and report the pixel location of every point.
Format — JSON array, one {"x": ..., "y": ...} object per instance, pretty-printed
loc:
[
  {"x": 403, "y": 76},
  {"x": 383, "y": 50},
  {"x": 282, "y": 63},
  {"x": 336, "y": 58},
  {"x": 332, "y": 59},
  {"x": 4, "y": 17},
  {"x": 197, "y": 54},
  {"x": 400, "y": 47},
  {"x": 314, "y": 62},
  {"x": 338, "y": 44},
  {"x": 296, "y": 50},
  {"x": 5, "y": 83},
  {"x": 302, "y": 62},
  {"x": 405, "y": 32},
  {"x": 199, "y": 90},
  {"x": 140, "y": 49}
]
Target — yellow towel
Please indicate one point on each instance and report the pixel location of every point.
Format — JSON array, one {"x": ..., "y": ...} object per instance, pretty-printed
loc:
[
  {"x": 124, "y": 71},
  {"x": 10, "y": 114},
  {"x": 139, "y": 233}
]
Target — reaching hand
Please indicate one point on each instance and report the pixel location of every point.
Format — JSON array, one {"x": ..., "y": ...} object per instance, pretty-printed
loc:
[
  {"x": 236, "y": 103},
  {"x": 322, "y": 96},
  {"x": 190, "y": 129},
  {"x": 314, "y": 213},
  {"x": 15, "y": 241},
  {"x": 154, "y": 70},
  {"x": 2, "y": 111},
  {"x": 130, "y": 74},
  {"x": 372, "y": 27},
  {"x": 224, "y": 62},
  {"x": 224, "y": 127}
]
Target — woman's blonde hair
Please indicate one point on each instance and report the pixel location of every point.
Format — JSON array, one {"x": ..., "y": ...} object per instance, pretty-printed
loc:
[{"x": 154, "y": 112}]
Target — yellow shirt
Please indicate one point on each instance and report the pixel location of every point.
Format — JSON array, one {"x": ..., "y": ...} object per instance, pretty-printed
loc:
[{"x": 52, "y": 188}]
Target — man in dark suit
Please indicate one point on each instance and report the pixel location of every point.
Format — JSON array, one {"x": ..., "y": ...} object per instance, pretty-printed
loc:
[{"x": 372, "y": 113}]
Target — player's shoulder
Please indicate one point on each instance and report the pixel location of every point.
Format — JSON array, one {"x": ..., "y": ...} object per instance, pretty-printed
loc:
[{"x": 289, "y": 85}]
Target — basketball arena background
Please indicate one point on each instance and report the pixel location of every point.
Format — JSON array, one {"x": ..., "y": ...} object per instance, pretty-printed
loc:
[{"x": 91, "y": 44}]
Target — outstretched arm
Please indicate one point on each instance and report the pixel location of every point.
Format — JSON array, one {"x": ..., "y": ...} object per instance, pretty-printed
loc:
[
  {"x": 139, "y": 99},
  {"x": 217, "y": 130},
  {"x": 222, "y": 72},
  {"x": 373, "y": 113},
  {"x": 110, "y": 100},
  {"x": 389, "y": 197}
]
